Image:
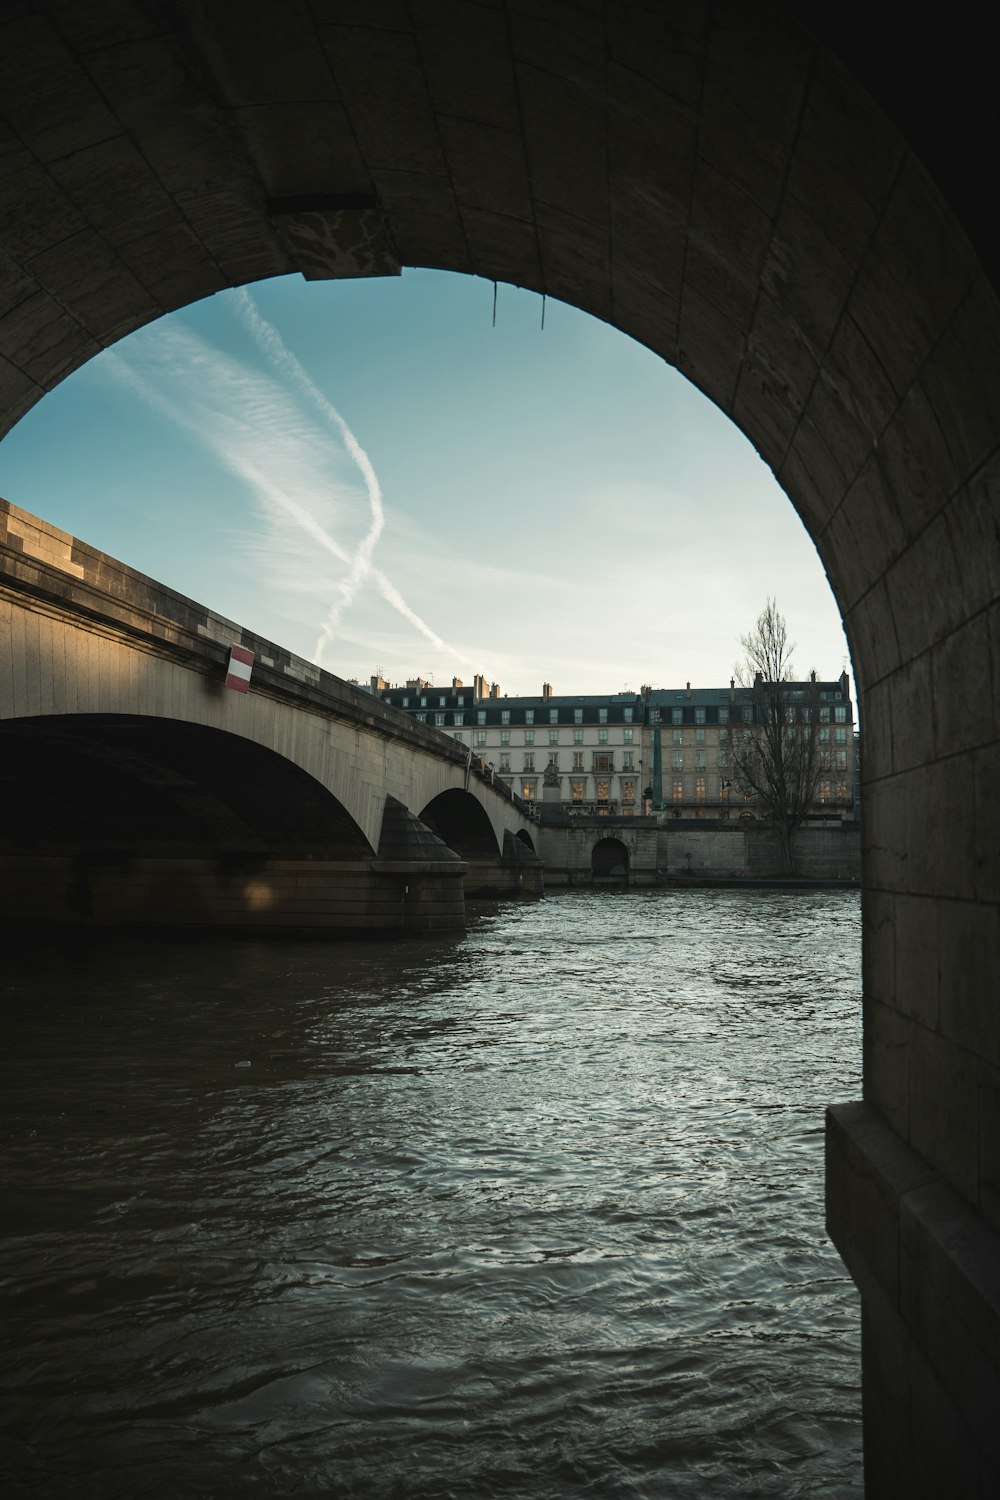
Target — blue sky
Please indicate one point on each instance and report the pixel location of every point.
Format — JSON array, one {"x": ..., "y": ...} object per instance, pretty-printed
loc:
[{"x": 370, "y": 473}]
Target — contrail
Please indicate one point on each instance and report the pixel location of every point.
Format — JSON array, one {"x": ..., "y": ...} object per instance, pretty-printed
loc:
[
  {"x": 127, "y": 376},
  {"x": 276, "y": 351}
]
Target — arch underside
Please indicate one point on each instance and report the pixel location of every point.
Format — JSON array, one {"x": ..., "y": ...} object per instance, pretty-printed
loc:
[
  {"x": 714, "y": 181},
  {"x": 460, "y": 820},
  {"x": 160, "y": 788}
]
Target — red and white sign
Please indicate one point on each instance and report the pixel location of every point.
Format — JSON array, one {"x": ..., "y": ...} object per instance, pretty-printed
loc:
[{"x": 240, "y": 667}]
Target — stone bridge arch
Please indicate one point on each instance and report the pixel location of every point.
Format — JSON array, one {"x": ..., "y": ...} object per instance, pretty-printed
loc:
[{"x": 715, "y": 181}]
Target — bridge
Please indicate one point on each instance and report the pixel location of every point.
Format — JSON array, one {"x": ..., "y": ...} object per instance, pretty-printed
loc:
[
  {"x": 788, "y": 202},
  {"x": 138, "y": 788}
]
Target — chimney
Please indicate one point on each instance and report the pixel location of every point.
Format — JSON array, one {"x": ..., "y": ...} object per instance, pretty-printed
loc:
[
  {"x": 689, "y": 690},
  {"x": 494, "y": 689},
  {"x": 479, "y": 686},
  {"x": 456, "y": 682},
  {"x": 546, "y": 690}
]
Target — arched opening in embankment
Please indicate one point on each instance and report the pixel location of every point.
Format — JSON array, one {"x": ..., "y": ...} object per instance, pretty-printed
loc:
[
  {"x": 609, "y": 861},
  {"x": 716, "y": 182}
]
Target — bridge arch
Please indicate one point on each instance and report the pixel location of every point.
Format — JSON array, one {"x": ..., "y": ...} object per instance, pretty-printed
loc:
[
  {"x": 609, "y": 860},
  {"x": 117, "y": 783},
  {"x": 460, "y": 819},
  {"x": 718, "y": 184}
]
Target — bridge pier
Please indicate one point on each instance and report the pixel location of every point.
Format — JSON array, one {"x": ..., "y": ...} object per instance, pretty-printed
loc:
[{"x": 317, "y": 897}]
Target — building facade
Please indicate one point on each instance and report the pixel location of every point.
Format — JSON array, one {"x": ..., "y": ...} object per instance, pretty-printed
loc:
[{"x": 664, "y": 750}]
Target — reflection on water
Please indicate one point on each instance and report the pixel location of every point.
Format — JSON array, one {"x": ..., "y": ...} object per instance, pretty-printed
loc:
[{"x": 535, "y": 1213}]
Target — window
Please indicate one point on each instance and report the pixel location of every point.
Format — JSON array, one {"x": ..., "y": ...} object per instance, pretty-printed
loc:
[
  {"x": 602, "y": 716},
  {"x": 628, "y": 733},
  {"x": 576, "y": 791},
  {"x": 439, "y": 720},
  {"x": 529, "y": 760},
  {"x": 458, "y": 718},
  {"x": 505, "y": 736},
  {"x": 723, "y": 757},
  {"x": 824, "y": 716},
  {"x": 627, "y": 764},
  {"x": 505, "y": 760},
  {"x": 678, "y": 760},
  {"x": 699, "y": 789},
  {"x": 406, "y": 702},
  {"x": 824, "y": 736},
  {"x": 602, "y": 790},
  {"x": 654, "y": 716},
  {"x": 723, "y": 716},
  {"x": 529, "y": 716},
  {"x": 824, "y": 791},
  {"x": 841, "y": 760},
  {"x": 841, "y": 791},
  {"x": 748, "y": 715},
  {"x": 553, "y": 716},
  {"x": 529, "y": 736},
  {"x": 578, "y": 716},
  {"x": 699, "y": 716},
  {"x": 840, "y": 735},
  {"x": 528, "y": 791},
  {"x": 441, "y": 702},
  {"x": 459, "y": 739},
  {"x": 603, "y": 764},
  {"x": 699, "y": 736},
  {"x": 840, "y": 713},
  {"x": 480, "y": 716},
  {"x": 505, "y": 716},
  {"x": 699, "y": 760},
  {"x": 577, "y": 760},
  {"x": 678, "y": 789},
  {"x": 627, "y": 715},
  {"x": 790, "y": 715},
  {"x": 480, "y": 738},
  {"x": 678, "y": 736},
  {"x": 628, "y": 791},
  {"x": 677, "y": 716},
  {"x": 602, "y": 736},
  {"x": 554, "y": 761},
  {"x": 578, "y": 736},
  {"x": 723, "y": 736},
  {"x": 553, "y": 736}
]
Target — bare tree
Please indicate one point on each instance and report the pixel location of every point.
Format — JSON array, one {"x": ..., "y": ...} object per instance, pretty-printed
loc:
[{"x": 776, "y": 760}]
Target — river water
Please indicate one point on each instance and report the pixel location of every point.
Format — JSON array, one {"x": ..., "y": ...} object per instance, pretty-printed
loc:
[{"x": 533, "y": 1213}]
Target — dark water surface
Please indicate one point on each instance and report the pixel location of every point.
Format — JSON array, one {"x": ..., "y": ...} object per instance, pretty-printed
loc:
[{"x": 537, "y": 1213}]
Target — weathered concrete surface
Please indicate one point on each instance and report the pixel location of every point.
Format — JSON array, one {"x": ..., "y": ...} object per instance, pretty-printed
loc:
[{"x": 714, "y": 180}]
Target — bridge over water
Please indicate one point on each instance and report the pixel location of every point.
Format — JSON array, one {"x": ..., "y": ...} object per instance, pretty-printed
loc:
[
  {"x": 789, "y": 201},
  {"x": 139, "y": 788}
]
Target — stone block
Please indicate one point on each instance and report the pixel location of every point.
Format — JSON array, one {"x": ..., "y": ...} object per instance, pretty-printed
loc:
[
  {"x": 916, "y": 273},
  {"x": 943, "y": 1111},
  {"x": 988, "y": 1112},
  {"x": 845, "y": 159},
  {"x": 866, "y": 533},
  {"x": 487, "y": 168},
  {"x": 941, "y": 829},
  {"x": 986, "y": 815},
  {"x": 878, "y": 946},
  {"x": 916, "y": 958},
  {"x": 973, "y": 517},
  {"x": 916, "y": 463},
  {"x": 967, "y": 405},
  {"x": 871, "y": 632},
  {"x": 885, "y": 833},
  {"x": 913, "y": 710},
  {"x": 925, "y": 589},
  {"x": 887, "y": 1048},
  {"x": 710, "y": 351},
  {"x": 962, "y": 689},
  {"x": 876, "y": 743}
]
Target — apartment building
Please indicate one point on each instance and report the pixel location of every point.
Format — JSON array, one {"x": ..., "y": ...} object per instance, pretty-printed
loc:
[{"x": 663, "y": 750}]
